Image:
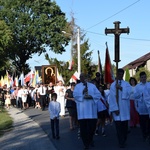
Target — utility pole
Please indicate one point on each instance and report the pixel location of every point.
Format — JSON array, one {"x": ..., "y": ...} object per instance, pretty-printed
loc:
[
  {"x": 71, "y": 48},
  {"x": 79, "y": 54}
]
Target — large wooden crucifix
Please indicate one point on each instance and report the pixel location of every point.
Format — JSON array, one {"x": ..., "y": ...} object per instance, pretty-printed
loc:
[{"x": 117, "y": 31}]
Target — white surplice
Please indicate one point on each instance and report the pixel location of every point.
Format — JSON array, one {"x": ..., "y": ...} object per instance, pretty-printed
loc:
[
  {"x": 60, "y": 90},
  {"x": 86, "y": 108},
  {"x": 123, "y": 104},
  {"x": 142, "y": 97}
]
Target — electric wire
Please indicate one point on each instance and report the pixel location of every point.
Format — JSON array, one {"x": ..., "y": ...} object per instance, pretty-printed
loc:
[{"x": 114, "y": 14}]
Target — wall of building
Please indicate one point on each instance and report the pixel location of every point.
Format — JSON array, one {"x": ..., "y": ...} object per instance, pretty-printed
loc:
[{"x": 148, "y": 65}]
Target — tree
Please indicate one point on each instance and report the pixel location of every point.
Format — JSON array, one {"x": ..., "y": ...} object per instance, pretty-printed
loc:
[
  {"x": 127, "y": 75},
  {"x": 86, "y": 59},
  {"x": 5, "y": 40},
  {"x": 36, "y": 26},
  {"x": 85, "y": 53},
  {"x": 137, "y": 75}
]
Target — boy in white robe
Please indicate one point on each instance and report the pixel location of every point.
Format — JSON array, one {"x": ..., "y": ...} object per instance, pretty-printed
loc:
[
  {"x": 120, "y": 109},
  {"x": 142, "y": 97}
]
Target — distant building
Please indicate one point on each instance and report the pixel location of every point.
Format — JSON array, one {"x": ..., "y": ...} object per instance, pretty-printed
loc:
[{"x": 143, "y": 61}]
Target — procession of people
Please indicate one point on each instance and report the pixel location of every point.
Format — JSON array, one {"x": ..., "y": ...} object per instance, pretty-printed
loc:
[{"x": 90, "y": 105}]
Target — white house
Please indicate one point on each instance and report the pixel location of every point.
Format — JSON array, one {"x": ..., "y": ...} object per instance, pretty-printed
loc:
[{"x": 143, "y": 61}]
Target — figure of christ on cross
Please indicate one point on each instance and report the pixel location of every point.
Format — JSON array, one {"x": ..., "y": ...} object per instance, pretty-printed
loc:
[{"x": 117, "y": 32}]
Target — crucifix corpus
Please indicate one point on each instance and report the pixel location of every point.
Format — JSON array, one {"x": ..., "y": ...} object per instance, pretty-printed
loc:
[{"x": 117, "y": 31}]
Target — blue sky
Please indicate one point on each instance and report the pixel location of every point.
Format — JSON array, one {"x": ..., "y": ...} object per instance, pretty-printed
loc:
[{"x": 93, "y": 16}]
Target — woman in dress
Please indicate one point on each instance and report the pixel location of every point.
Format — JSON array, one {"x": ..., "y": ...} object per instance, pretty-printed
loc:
[
  {"x": 61, "y": 90},
  {"x": 36, "y": 98},
  {"x": 134, "y": 117},
  {"x": 7, "y": 100},
  {"x": 71, "y": 106},
  {"x": 24, "y": 97}
]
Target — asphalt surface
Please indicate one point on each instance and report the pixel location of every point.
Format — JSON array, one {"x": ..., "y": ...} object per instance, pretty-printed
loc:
[
  {"x": 32, "y": 131},
  {"x": 26, "y": 134}
]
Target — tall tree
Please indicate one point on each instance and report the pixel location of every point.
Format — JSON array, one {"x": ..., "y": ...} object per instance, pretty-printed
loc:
[
  {"x": 86, "y": 60},
  {"x": 137, "y": 75},
  {"x": 36, "y": 26},
  {"x": 5, "y": 40},
  {"x": 127, "y": 75},
  {"x": 85, "y": 53}
]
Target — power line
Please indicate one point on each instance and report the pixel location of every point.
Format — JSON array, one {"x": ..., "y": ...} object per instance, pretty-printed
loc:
[
  {"x": 114, "y": 14},
  {"x": 120, "y": 37}
]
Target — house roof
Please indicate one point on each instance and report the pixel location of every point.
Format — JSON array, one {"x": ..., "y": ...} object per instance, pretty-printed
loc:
[{"x": 140, "y": 61}]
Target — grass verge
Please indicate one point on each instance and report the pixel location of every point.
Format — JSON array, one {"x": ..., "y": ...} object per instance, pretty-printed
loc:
[{"x": 5, "y": 122}]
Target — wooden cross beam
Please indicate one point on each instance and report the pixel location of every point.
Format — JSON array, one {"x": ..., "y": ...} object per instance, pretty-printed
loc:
[{"x": 117, "y": 31}]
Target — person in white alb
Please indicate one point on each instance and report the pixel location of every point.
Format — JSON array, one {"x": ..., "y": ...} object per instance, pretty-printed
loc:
[
  {"x": 142, "y": 101},
  {"x": 35, "y": 98},
  {"x": 42, "y": 95},
  {"x": 61, "y": 90},
  {"x": 120, "y": 108},
  {"x": 86, "y": 96},
  {"x": 24, "y": 97}
]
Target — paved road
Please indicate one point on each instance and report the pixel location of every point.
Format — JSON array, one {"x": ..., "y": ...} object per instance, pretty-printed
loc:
[
  {"x": 69, "y": 140},
  {"x": 25, "y": 134}
]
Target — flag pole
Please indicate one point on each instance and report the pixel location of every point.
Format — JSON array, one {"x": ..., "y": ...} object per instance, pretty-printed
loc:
[{"x": 100, "y": 68}]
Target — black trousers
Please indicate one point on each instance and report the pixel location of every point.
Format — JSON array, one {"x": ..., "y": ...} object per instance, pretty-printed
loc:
[
  {"x": 87, "y": 129},
  {"x": 43, "y": 101},
  {"x": 145, "y": 125},
  {"x": 55, "y": 127},
  {"x": 122, "y": 131},
  {"x": 20, "y": 102}
]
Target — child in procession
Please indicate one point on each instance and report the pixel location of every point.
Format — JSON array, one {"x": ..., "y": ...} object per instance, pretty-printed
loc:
[{"x": 54, "y": 111}]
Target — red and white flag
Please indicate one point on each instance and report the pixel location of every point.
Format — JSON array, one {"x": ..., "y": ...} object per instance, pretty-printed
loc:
[
  {"x": 29, "y": 77},
  {"x": 109, "y": 75},
  {"x": 74, "y": 77},
  {"x": 15, "y": 83},
  {"x": 70, "y": 64}
]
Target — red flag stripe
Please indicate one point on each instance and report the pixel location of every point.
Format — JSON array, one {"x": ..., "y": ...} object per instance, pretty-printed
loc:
[{"x": 109, "y": 76}]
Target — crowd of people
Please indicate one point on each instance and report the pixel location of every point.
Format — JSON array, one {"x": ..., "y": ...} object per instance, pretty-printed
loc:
[{"x": 90, "y": 105}]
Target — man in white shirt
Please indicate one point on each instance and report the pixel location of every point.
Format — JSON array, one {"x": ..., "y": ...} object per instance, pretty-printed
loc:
[
  {"x": 142, "y": 97},
  {"x": 42, "y": 95},
  {"x": 120, "y": 107},
  {"x": 86, "y": 96},
  {"x": 19, "y": 97}
]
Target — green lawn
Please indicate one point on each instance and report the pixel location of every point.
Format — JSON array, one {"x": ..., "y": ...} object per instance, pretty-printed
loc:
[{"x": 5, "y": 122}]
